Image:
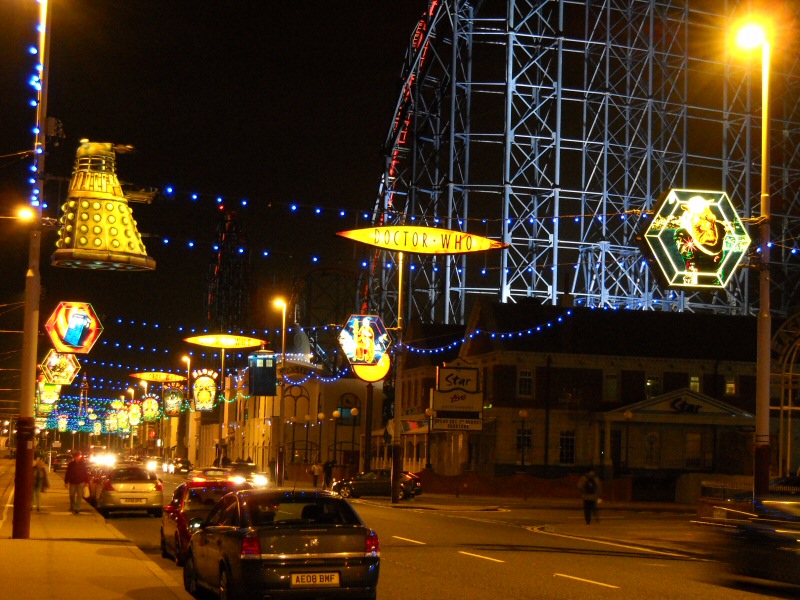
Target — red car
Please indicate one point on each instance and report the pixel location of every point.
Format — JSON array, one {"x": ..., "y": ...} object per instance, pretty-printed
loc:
[{"x": 191, "y": 500}]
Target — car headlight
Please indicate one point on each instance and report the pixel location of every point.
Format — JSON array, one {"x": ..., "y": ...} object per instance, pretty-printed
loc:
[
  {"x": 237, "y": 479},
  {"x": 260, "y": 480},
  {"x": 151, "y": 465}
]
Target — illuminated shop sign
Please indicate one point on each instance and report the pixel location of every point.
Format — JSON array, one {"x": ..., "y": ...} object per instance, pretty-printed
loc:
[
  {"x": 422, "y": 240},
  {"x": 74, "y": 327},
  {"x": 697, "y": 239}
]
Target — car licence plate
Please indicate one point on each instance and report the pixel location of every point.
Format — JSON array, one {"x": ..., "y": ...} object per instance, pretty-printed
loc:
[
  {"x": 133, "y": 500},
  {"x": 315, "y": 579}
]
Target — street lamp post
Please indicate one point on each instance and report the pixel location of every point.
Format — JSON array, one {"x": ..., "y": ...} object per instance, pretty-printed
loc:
[
  {"x": 353, "y": 415},
  {"x": 428, "y": 463},
  {"x": 320, "y": 420},
  {"x": 308, "y": 421},
  {"x": 188, "y": 421},
  {"x": 279, "y": 303},
  {"x": 523, "y": 438},
  {"x": 23, "y": 475},
  {"x": 628, "y": 416},
  {"x": 751, "y": 36},
  {"x": 336, "y": 415}
]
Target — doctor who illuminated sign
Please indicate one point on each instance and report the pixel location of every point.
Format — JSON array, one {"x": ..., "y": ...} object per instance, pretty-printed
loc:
[
  {"x": 697, "y": 239},
  {"x": 74, "y": 327},
  {"x": 422, "y": 240}
]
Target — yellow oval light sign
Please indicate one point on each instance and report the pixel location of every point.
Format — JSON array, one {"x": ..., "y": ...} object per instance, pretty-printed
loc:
[{"x": 422, "y": 240}]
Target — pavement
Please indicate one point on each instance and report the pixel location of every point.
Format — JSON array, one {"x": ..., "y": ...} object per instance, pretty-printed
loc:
[
  {"x": 82, "y": 557},
  {"x": 73, "y": 557}
]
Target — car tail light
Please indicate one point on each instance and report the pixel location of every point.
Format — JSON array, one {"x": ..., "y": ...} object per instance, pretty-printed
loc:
[
  {"x": 107, "y": 485},
  {"x": 198, "y": 478},
  {"x": 159, "y": 486},
  {"x": 373, "y": 546},
  {"x": 251, "y": 545}
]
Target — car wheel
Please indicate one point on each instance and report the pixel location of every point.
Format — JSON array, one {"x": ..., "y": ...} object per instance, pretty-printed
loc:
[
  {"x": 156, "y": 513},
  {"x": 345, "y": 492},
  {"x": 227, "y": 591},
  {"x": 178, "y": 551},
  {"x": 104, "y": 512},
  {"x": 190, "y": 576},
  {"x": 164, "y": 551}
]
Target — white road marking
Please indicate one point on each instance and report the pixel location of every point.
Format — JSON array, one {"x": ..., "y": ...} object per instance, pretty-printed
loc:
[
  {"x": 616, "y": 587},
  {"x": 479, "y": 556},
  {"x": 397, "y": 537},
  {"x": 604, "y": 542}
]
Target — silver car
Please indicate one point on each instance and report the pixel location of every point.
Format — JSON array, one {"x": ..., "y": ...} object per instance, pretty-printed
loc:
[{"x": 130, "y": 488}]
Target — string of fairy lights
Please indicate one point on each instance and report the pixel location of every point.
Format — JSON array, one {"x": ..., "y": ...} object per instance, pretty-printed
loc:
[{"x": 74, "y": 413}]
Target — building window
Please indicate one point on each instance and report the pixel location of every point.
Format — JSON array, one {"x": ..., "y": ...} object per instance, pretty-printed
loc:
[
  {"x": 694, "y": 450},
  {"x": 566, "y": 447},
  {"x": 525, "y": 383},
  {"x": 730, "y": 385},
  {"x": 694, "y": 383}
]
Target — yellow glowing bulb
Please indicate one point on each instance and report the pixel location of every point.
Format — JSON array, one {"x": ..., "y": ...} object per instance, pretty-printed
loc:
[{"x": 751, "y": 36}]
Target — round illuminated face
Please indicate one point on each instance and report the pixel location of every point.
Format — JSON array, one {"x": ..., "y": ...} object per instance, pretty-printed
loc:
[{"x": 704, "y": 228}]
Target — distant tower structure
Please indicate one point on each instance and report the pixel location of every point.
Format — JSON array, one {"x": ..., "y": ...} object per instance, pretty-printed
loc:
[
  {"x": 556, "y": 126},
  {"x": 228, "y": 278}
]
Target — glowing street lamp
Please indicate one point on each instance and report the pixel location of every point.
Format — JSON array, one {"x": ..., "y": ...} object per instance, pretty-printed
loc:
[
  {"x": 280, "y": 303},
  {"x": 752, "y": 35}
]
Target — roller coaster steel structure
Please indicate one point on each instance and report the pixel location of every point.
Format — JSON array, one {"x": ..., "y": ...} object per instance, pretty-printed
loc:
[{"x": 556, "y": 127}]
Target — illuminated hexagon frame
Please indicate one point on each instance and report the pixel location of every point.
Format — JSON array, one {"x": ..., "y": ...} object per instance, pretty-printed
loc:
[
  {"x": 663, "y": 245},
  {"x": 59, "y": 328},
  {"x": 69, "y": 372},
  {"x": 347, "y": 339}
]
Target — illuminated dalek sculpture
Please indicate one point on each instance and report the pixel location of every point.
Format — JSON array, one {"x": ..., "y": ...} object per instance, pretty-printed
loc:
[{"x": 97, "y": 229}]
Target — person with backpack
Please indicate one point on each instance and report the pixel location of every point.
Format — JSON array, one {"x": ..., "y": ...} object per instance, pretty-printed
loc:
[{"x": 590, "y": 488}]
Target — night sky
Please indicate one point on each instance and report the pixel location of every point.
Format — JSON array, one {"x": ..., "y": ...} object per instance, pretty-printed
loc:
[{"x": 275, "y": 103}]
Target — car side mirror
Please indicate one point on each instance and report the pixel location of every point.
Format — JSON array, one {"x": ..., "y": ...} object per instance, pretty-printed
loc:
[{"x": 196, "y": 524}]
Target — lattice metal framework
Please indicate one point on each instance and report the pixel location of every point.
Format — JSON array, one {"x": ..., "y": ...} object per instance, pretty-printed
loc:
[
  {"x": 228, "y": 277},
  {"x": 556, "y": 126}
]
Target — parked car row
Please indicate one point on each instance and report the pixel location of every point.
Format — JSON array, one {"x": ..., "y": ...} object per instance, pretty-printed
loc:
[{"x": 377, "y": 482}]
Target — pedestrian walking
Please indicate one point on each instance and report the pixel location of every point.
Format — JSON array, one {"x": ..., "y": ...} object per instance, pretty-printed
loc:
[
  {"x": 76, "y": 478},
  {"x": 316, "y": 471},
  {"x": 591, "y": 489},
  {"x": 327, "y": 470},
  {"x": 40, "y": 482}
]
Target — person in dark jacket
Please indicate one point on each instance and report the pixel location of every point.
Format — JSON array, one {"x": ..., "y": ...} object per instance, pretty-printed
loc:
[
  {"x": 40, "y": 482},
  {"x": 76, "y": 478},
  {"x": 590, "y": 488},
  {"x": 327, "y": 473}
]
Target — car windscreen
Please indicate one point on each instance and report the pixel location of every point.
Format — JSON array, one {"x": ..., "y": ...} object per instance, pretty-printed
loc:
[
  {"x": 293, "y": 511},
  {"x": 200, "y": 500},
  {"x": 132, "y": 474}
]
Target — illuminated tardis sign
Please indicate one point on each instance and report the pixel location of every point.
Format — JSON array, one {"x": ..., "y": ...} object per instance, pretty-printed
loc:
[
  {"x": 697, "y": 239},
  {"x": 74, "y": 327}
]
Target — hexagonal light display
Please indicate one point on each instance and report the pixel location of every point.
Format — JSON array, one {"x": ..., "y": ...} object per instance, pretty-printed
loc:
[
  {"x": 364, "y": 339},
  {"x": 60, "y": 367},
  {"x": 697, "y": 239},
  {"x": 74, "y": 327}
]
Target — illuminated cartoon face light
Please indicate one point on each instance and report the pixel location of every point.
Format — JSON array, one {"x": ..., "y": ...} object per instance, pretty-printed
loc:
[
  {"x": 173, "y": 402},
  {"x": 204, "y": 390},
  {"x": 697, "y": 239},
  {"x": 364, "y": 339},
  {"x": 151, "y": 410},
  {"x": 60, "y": 368}
]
